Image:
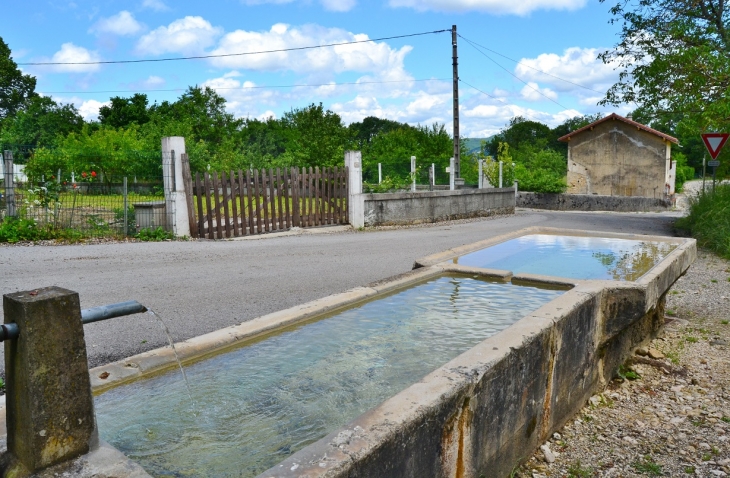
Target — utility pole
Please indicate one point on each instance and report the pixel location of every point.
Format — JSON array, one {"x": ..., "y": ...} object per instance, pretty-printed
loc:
[{"x": 457, "y": 149}]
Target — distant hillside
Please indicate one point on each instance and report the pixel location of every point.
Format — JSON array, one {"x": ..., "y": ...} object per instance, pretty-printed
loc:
[{"x": 473, "y": 144}]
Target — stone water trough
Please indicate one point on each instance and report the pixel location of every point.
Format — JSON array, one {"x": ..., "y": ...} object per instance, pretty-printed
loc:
[{"x": 487, "y": 409}]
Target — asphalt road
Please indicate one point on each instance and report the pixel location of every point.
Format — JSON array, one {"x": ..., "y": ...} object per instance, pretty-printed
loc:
[{"x": 200, "y": 286}]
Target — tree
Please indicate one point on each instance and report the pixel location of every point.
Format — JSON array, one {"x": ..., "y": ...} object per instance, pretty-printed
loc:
[
  {"x": 673, "y": 57},
  {"x": 41, "y": 123},
  {"x": 314, "y": 137},
  {"x": 124, "y": 111},
  {"x": 15, "y": 87}
]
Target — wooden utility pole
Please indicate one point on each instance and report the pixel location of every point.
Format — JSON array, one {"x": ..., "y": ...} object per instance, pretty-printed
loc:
[{"x": 457, "y": 149}]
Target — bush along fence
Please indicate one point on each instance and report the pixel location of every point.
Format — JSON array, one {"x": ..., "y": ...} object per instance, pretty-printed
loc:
[{"x": 81, "y": 206}]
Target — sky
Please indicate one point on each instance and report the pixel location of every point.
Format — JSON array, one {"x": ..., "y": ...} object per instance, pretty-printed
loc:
[{"x": 534, "y": 58}]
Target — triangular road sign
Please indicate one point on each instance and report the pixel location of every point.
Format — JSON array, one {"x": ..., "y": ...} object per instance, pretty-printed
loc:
[{"x": 714, "y": 142}]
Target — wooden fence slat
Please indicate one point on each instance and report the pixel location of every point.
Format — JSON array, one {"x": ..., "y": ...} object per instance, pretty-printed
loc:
[
  {"x": 343, "y": 196},
  {"x": 295, "y": 193},
  {"x": 242, "y": 201},
  {"x": 225, "y": 196},
  {"x": 249, "y": 191},
  {"x": 336, "y": 195},
  {"x": 331, "y": 195},
  {"x": 316, "y": 196},
  {"x": 272, "y": 200},
  {"x": 287, "y": 197},
  {"x": 279, "y": 196},
  {"x": 309, "y": 197},
  {"x": 199, "y": 198},
  {"x": 265, "y": 195},
  {"x": 257, "y": 194},
  {"x": 208, "y": 186},
  {"x": 234, "y": 206},
  {"x": 217, "y": 196}
]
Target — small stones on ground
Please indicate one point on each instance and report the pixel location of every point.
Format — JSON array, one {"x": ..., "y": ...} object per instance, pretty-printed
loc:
[
  {"x": 642, "y": 351},
  {"x": 547, "y": 454},
  {"x": 655, "y": 354}
]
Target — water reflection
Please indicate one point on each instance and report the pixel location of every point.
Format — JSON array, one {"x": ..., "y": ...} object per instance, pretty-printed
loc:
[{"x": 572, "y": 256}]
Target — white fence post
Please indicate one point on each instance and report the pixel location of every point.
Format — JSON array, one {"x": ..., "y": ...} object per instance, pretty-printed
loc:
[
  {"x": 500, "y": 174},
  {"x": 380, "y": 173},
  {"x": 452, "y": 174},
  {"x": 481, "y": 174},
  {"x": 173, "y": 147},
  {"x": 433, "y": 175},
  {"x": 413, "y": 174},
  {"x": 355, "y": 198},
  {"x": 9, "y": 184}
]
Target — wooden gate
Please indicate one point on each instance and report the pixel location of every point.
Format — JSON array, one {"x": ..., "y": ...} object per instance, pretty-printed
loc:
[{"x": 241, "y": 203}]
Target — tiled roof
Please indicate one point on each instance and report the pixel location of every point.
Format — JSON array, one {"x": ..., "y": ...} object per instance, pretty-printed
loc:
[{"x": 614, "y": 116}]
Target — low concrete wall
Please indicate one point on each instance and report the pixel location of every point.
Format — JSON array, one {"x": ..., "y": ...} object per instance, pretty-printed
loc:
[
  {"x": 432, "y": 206},
  {"x": 488, "y": 409},
  {"x": 590, "y": 202}
]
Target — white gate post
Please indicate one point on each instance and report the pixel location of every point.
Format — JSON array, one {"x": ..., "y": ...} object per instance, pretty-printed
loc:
[
  {"x": 413, "y": 174},
  {"x": 173, "y": 147},
  {"x": 481, "y": 173},
  {"x": 380, "y": 173},
  {"x": 452, "y": 174},
  {"x": 355, "y": 198},
  {"x": 500, "y": 174}
]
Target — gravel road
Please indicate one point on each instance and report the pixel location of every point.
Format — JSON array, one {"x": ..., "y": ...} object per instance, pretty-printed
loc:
[{"x": 200, "y": 286}]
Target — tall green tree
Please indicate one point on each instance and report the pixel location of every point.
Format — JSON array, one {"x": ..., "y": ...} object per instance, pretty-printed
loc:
[
  {"x": 15, "y": 87},
  {"x": 673, "y": 57},
  {"x": 124, "y": 111},
  {"x": 314, "y": 136},
  {"x": 42, "y": 122}
]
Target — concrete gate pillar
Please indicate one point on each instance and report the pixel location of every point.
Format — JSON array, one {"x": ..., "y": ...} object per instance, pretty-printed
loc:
[
  {"x": 173, "y": 147},
  {"x": 355, "y": 199}
]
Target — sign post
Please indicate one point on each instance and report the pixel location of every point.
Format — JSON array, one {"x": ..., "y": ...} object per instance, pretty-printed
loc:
[{"x": 714, "y": 143}]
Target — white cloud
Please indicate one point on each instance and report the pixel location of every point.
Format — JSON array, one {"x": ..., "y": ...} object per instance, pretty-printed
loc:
[
  {"x": 151, "y": 82},
  {"x": 580, "y": 66},
  {"x": 532, "y": 92},
  {"x": 88, "y": 109},
  {"x": 369, "y": 57},
  {"x": 123, "y": 23},
  {"x": 332, "y": 5},
  {"x": 70, "y": 53},
  {"x": 156, "y": 5},
  {"x": 243, "y": 98},
  {"x": 185, "y": 35},
  {"x": 338, "y": 5},
  {"x": 520, "y": 7}
]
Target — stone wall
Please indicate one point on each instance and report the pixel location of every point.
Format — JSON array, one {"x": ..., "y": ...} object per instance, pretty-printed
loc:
[
  {"x": 617, "y": 159},
  {"x": 432, "y": 206},
  {"x": 590, "y": 202}
]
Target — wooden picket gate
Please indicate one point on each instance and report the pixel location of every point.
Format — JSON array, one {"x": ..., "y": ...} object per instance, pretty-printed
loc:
[{"x": 241, "y": 203}]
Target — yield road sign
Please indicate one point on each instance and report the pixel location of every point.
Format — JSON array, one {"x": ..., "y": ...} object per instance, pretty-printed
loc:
[
  {"x": 714, "y": 163},
  {"x": 714, "y": 142}
]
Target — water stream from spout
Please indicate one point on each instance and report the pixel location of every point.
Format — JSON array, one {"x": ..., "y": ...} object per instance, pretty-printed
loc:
[{"x": 177, "y": 358}]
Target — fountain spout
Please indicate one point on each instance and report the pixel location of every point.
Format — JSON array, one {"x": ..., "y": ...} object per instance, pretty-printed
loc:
[{"x": 103, "y": 312}]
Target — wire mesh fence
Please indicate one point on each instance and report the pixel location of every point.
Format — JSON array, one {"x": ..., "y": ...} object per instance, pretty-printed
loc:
[{"x": 93, "y": 209}]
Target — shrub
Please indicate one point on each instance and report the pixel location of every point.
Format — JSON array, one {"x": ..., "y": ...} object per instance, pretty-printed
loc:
[{"x": 708, "y": 220}]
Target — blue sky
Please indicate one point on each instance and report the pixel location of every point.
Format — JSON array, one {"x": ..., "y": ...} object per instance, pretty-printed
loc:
[{"x": 406, "y": 79}]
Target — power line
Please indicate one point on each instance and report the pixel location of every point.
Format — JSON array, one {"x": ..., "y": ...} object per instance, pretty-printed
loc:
[
  {"x": 254, "y": 87},
  {"x": 201, "y": 57},
  {"x": 537, "y": 90},
  {"x": 532, "y": 67}
]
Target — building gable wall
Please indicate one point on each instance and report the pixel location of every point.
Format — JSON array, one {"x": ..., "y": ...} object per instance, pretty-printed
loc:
[{"x": 617, "y": 159}]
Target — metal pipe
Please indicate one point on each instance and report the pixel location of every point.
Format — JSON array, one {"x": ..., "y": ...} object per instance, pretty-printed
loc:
[
  {"x": 110, "y": 311},
  {"x": 11, "y": 331}
]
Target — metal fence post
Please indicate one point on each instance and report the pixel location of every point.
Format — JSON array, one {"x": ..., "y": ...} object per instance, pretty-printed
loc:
[
  {"x": 413, "y": 174},
  {"x": 126, "y": 211},
  {"x": 9, "y": 184}
]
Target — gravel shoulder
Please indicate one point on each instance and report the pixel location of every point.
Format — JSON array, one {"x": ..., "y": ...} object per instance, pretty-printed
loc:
[{"x": 670, "y": 416}]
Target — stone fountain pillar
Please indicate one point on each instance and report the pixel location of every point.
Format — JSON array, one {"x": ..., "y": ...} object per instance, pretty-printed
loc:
[{"x": 50, "y": 409}]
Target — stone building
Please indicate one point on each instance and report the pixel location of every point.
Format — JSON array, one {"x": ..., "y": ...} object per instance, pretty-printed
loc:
[{"x": 616, "y": 156}]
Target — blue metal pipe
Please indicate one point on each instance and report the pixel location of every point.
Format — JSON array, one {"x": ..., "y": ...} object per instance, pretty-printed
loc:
[{"x": 11, "y": 331}]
